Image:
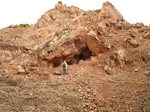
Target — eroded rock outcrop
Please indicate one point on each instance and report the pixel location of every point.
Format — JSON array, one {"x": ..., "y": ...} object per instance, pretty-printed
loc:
[
  {"x": 71, "y": 34},
  {"x": 109, "y": 11}
]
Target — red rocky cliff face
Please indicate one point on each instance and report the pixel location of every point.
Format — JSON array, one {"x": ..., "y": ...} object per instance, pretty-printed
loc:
[
  {"x": 73, "y": 34},
  {"x": 109, "y": 11}
]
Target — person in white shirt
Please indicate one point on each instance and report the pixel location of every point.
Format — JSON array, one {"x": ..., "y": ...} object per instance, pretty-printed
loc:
[{"x": 64, "y": 67}]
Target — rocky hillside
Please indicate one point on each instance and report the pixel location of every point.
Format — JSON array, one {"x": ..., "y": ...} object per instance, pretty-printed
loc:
[{"x": 109, "y": 61}]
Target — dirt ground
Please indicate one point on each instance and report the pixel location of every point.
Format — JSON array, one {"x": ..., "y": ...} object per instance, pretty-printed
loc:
[{"x": 86, "y": 88}]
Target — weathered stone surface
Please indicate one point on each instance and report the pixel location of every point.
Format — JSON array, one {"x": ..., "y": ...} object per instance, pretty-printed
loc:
[
  {"x": 99, "y": 103},
  {"x": 147, "y": 35},
  {"x": 103, "y": 27},
  {"x": 133, "y": 42},
  {"x": 14, "y": 69},
  {"x": 120, "y": 58},
  {"x": 139, "y": 25},
  {"x": 57, "y": 73},
  {"x": 94, "y": 45},
  {"x": 60, "y": 7},
  {"x": 147, "y": 73},
  {"x": 55, "y": 38},
  {"x": 109, "y": 11},
  {"x": 72, "y": 34}
]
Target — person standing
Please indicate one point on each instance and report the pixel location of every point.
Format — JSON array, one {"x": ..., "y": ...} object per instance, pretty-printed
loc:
[{"x": 64, "y": 67}]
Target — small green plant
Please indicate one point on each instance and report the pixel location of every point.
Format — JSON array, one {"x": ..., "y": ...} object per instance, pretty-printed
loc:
[{"x": 24, "y": 25}]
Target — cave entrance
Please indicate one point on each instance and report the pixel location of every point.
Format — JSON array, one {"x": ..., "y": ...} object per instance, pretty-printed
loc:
[{"x": 84, "y": 55}]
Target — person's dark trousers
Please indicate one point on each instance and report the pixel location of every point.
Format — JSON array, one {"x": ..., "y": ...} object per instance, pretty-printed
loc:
[{"x": 64, "y": 71}]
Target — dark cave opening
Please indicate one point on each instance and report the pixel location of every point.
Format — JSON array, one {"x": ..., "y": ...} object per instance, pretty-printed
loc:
[{"x": 84, "y": 55}]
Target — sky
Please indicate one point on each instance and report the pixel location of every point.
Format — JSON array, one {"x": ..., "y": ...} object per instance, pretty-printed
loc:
[{"x": 14, "y": 12}]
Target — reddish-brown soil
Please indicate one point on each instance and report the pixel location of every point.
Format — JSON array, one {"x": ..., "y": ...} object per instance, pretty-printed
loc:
[{"x": 85, "y": 88}]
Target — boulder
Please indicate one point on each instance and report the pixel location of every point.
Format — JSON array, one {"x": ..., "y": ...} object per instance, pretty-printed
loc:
[
  {"x": 147, "y": 73},
  {"x": 116, "y": 59},
  {"x": 95, "y": 46},
  {"x": 14, "y": 69},
  {"x": 108, "y": 70},
  {"x": 147, "y": 35},
  {"x": 139, "y": 25},
  {"x": 81, "y": 62},
  {"x": 109, "y": 11},
  {"x": 99, "y": 103},
  {"x": 60, "y": 7},
  {"x": 94, "y": 58},
  {"x": 20, "y": 69},
  {"x": 133, "y": 42},
  {"x": 120, "y": 57},
  {"x": 57, "y": 73}
]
